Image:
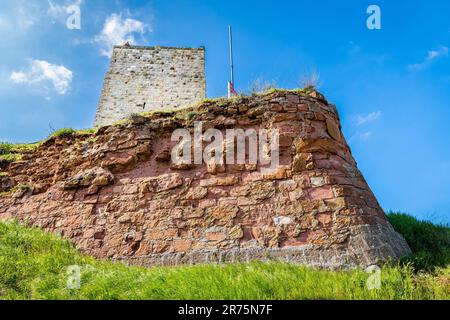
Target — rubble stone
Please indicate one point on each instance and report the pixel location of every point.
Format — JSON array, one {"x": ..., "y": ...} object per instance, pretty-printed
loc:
[{"x": 116, "y": 195}]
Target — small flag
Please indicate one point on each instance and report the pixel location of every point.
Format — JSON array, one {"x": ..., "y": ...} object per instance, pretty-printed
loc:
[{"x": 231, "y": 91}]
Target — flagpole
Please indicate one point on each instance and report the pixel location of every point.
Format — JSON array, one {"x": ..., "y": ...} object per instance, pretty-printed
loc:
[
  {"x": 231, "y": 83},
  {"x": 231, "y": 54}
]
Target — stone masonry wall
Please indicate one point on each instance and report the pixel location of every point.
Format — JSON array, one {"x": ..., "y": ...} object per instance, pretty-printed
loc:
[
  {"x": 149, "y": 78},
  {"x": 116, "y": 195}
]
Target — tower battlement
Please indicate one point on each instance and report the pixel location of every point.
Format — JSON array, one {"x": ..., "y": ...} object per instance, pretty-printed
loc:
[{"x": 142, "y": 79}]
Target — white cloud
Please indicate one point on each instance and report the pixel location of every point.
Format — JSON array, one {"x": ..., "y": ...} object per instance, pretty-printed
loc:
[
  {"x": 361, "y": 136},
  {"x": 27, "y": 15},
  {"x": 56, "y": 12},
  {"x": 41, "y": 73},
  {"x": 365, "y": 135},
  {"x": 117, "y": 31},
  {"x": 4, "y": 23},
  {"x": 363, "y": 119},
  {"x": 353, "y": 48},
  {"x": 431, "y": 56}
]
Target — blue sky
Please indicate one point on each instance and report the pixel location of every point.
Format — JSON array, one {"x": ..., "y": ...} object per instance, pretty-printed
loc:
[{"x": 391, "y": 86}]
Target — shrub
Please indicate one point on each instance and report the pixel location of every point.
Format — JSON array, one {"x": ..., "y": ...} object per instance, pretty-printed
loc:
[
  {"x": 5, "y": 148},
  {"x": 430, "y": 243},
  {"x": 310, "y": 80},
  {"x": 191, "y": 115},
  {"x": 260, "y": 86}
]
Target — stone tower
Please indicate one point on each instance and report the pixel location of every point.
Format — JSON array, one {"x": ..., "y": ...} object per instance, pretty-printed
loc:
[{"x": 143, "y": 79}]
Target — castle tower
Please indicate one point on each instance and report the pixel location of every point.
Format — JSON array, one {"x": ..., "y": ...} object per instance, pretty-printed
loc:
[{"x": 143, "y": 79}]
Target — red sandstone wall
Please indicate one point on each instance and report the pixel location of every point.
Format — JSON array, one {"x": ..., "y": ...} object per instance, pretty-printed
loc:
[{"x": 116, "y": 195}]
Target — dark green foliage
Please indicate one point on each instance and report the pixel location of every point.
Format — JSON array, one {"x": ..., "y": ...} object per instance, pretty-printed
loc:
[
  {"x": 5, "y": 148},
  {"x": 429, "y": 242},
  {"x": 191, "y": 115}
]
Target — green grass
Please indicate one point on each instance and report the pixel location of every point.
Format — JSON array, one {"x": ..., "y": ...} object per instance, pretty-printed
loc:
[
  {"x": 87, "y": 131},
  {"x": 20, "y": 187},
  {"x": 429, "y": 242},
  {"x": 62, "y": 132},
  {"x": 13, "y": 152},
  {"x": 5, "y": 148},
  {"x": 10, "y": 157},
  {"x": 34, "y": 265},
  {"x": 8, "y": 148},
  {"x": 10, "y": 152}
]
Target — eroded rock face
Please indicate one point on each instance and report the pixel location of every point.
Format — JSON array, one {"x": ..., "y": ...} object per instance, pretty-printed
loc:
[{"x": 117, "y": 195}]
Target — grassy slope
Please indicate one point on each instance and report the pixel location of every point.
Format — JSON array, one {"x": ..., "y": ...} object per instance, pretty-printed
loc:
[{"x": 33, "y": 265}]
